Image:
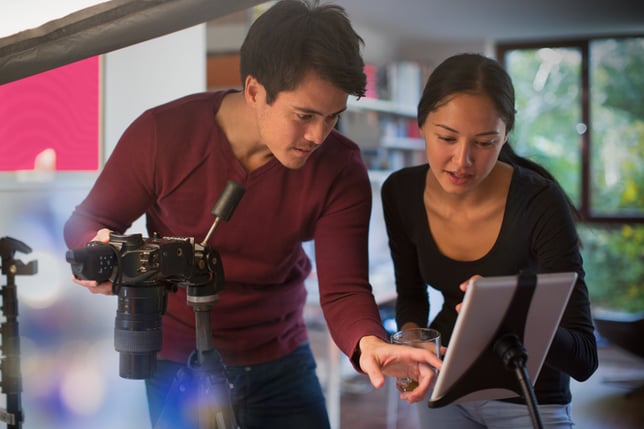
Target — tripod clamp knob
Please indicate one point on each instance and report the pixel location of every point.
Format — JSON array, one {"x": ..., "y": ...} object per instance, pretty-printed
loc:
[{"x": 8, "y": 248}]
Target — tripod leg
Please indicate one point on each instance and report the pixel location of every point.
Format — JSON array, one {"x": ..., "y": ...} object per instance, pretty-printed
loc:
[
  {"x": 211, "y": 413},
  {"x": 175, "y": 412},
  {"x": 197, "y": 399}
]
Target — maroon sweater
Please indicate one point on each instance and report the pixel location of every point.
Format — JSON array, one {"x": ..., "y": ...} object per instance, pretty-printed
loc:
[{"x": 172, "y": 163}]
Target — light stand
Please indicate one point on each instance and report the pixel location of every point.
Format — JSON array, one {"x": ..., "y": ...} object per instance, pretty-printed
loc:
[{"x": 11, "y": 383}]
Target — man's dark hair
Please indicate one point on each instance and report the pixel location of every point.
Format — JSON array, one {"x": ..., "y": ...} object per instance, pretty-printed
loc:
[{"x": 294, "y": 37}]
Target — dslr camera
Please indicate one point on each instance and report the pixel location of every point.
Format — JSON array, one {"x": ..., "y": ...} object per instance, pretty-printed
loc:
[{"x": 143, "y": 271}]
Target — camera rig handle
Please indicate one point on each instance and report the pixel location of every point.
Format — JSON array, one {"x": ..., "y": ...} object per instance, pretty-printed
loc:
[
  {"x": 225, "y": 205},
  {"x": 11, "y": 383}
]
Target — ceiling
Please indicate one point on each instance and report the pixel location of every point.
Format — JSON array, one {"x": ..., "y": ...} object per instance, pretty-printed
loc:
[
  {"x": 427, "y": 30},
  {"x": 500, "y": 20}
]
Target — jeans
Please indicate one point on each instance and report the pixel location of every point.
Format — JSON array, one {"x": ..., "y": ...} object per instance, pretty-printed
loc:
[
  {"x": 492, "y": 414},
  {"x": 281, "y": 394}
]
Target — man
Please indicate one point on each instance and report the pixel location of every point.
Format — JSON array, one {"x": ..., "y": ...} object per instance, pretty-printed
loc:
[{"x": 303, "y": 181}]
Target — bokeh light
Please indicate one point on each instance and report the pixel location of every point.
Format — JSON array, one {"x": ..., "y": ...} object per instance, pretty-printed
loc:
[
  {"x": 83, "y": 387},
  {"x": 42, "y": 289}
]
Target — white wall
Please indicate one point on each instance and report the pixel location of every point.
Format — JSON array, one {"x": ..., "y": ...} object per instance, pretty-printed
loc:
[
  {"x": 69, "y": 366},
  {"x": 151, "y": 73}
]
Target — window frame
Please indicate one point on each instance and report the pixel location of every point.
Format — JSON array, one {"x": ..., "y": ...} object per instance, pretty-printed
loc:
[{"x": 583, "y": 44}]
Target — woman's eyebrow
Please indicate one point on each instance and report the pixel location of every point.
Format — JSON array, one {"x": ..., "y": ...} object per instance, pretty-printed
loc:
[{"x": 484, "y": 133}]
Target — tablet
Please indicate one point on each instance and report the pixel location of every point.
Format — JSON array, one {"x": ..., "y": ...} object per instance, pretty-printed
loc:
[{"x": 528, "y": 306}]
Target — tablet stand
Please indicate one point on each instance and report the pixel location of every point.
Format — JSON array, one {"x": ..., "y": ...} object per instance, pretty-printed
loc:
[
  {"x": 505, "y": 351},
  {"x": 513, "y": 355}
]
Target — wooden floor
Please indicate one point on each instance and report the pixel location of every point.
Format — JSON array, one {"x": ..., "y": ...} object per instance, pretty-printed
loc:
[{"x": 608, "y": 400}]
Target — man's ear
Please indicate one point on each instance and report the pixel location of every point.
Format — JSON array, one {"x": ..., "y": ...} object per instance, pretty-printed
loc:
[{"x": 253, "y": 89}]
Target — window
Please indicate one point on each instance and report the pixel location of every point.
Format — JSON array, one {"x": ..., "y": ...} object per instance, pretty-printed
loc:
[
  {"x": 617, "y": 135},
  {"x": 579, "y": 114}
]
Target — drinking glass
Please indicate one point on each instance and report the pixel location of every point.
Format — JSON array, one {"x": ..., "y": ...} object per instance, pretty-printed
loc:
[{"x": 426, "y": 338}]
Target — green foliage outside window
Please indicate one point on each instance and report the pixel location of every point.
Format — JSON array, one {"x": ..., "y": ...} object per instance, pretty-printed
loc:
[
  {"x": 617, "y": 115},
  {"x": 547, "y": 89},
  {"x": 549, "y": 130},
  {"x": 614, "y": 263}
]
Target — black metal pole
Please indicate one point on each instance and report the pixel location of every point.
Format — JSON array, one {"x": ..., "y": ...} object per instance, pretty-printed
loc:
[
  {"x": 214, "y": 402},
  {"x": 204, "y": 381},
  {"x": 514, "y": 355},
  {"x": 11, "y": 383}
]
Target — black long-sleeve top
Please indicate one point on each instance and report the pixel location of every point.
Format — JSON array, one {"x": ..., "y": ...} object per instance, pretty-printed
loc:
[{"x": 538, "y": 234}]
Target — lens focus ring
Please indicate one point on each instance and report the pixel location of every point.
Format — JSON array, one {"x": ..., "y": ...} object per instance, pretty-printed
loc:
[{"x": 137, "y": 341}]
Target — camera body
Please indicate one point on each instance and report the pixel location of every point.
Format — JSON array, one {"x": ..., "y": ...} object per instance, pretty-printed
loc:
[
  {"x": 134, "y": 260},
  {"x": 142, "y": 272}
]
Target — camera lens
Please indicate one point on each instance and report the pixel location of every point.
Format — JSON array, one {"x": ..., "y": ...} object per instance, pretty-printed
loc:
[{"x": 137, "y": 329}]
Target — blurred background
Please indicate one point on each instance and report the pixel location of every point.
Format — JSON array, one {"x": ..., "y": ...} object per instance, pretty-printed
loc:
[{"x": 577, "y": 69}]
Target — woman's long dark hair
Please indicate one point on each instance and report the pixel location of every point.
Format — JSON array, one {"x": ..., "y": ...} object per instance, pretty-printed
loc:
[{"x": 475, "y": 73}]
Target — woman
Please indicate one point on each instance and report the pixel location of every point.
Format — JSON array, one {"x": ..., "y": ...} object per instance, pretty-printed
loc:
[{"x": 478, "y": 209}]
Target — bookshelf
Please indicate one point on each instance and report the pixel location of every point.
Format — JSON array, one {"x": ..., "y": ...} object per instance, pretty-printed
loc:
[
  {"x": 382, "y": 106},
  {"x": 383, "y": 123}
]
